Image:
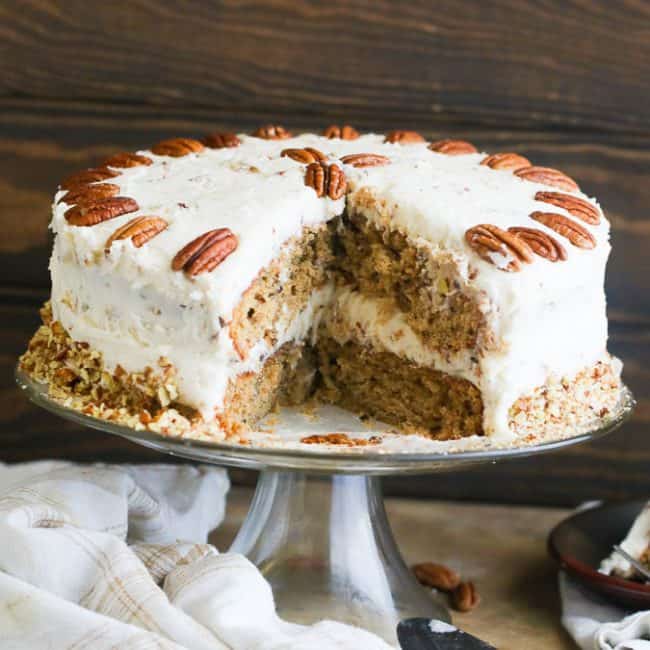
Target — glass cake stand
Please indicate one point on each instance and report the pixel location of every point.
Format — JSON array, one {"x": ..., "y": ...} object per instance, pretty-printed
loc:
[{"x": 316, "y": 527}]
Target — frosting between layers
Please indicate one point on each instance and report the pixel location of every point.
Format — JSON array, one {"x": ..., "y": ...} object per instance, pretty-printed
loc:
[{"x": 131, "y": 306}]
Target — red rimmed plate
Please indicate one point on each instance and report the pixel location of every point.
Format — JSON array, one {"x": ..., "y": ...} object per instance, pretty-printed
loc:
[{"x": 580, "y": 542}]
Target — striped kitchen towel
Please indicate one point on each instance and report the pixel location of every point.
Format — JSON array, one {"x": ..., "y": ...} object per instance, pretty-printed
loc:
[{"x": 116, "y": 557}]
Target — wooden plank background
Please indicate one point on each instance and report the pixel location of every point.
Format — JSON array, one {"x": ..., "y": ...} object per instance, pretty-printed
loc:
[{"x": 566, "y": 82}]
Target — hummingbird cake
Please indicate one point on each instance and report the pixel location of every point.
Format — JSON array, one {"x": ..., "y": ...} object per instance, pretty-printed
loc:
[{"x": 448, "y": 292}]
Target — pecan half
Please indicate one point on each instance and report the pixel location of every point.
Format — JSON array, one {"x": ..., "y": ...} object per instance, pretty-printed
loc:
[
  {"x": 488, "y": 240},
  {"x": 340, "y": 439},
  {"x": 404, "y": 137},
  {"x": 578, "y": 235},
  {"x": 345, "y": 132},
  {"x": 126, "y": 159},
  {"x": 139, "y": 230},
  {"x": 465, "y": 597},
  {"x": 437, "y": 576},
  {"x": 511, "y": 161},
  {"x": 453, "y": 147},
  {"x": 574, "y": 205},
  {"x": 88, "y": 176},
  {"x": 93, "y": 213},
  {"x": 272, "y": 132},
  {"x": 365, "y": 160},
  {"x": 548, "y": 176},
  {"x": 206, "y": 252},
  {"x": 177, "y": 147},
  {"x": 544, "y": 245},
  {"x": 305, "y": 156},
  {"x": 326, "y": 180},
  {"x": 89, "y": 193},
  {"x": 221, "y": 140}
]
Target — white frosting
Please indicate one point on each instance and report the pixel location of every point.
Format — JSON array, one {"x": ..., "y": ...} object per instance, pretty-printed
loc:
[{"x": 132, "y": 307}]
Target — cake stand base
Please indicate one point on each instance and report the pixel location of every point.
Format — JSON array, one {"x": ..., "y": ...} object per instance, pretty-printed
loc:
[
  {"x": 325, "y": 545},
  {"x": 317, "y": 528}
]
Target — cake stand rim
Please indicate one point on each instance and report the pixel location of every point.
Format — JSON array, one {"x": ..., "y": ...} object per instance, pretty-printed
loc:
[{"x": 317, "y": 461}]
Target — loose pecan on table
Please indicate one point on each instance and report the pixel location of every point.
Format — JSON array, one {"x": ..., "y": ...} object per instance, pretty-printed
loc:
[
  {"x": 206, "y": 252},
  {"x": 126, "y": 159},
  {"x": 452, "y": 147},
  {"x": 88, "y": 176},
  {"x": 542, "y": 244},
  {"x": 437, "y": 576},
  {"x": 404, "y": 137},
  {"x": 548, "y": 176},
  {"x": 326, "y": 180},
  {"x": 487, "y": 240},
  {"x": 465, "y": 597},
  {"x": 511, "y": 161},
  {"x": 574, "y": 205},
  {"x": 345, "y": 132},
  {"x": 177, "y": 147},
  {"x": 577, "y": 234},
  {"x": 305, "y": 156},
  {"x": 272, "y": 132},
  {"x": 140, "y": 230},
  {"x": 365, "y": 160},
  {"x": 93, "y": 213},
  {"x": 221, "y": 140}
]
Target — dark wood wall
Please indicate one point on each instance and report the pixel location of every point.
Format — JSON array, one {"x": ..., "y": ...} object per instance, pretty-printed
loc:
[{"x": 566, "y": 82}]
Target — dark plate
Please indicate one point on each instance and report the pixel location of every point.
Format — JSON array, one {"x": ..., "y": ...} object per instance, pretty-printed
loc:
[{"x": 580, "y": 542}]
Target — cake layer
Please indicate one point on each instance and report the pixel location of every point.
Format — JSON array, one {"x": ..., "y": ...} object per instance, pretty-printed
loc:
[
  {"x": 353, "y": 372},
  {"x": 382, "y": 385}
]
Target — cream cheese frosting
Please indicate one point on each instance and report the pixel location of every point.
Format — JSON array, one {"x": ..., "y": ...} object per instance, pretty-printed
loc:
[{"x": 133, "y": 308}]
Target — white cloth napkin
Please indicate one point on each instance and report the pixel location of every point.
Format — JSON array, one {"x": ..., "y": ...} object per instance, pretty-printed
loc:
[
  {"x": 596, "y": 624},
  {"x": 116, "y": 557}
]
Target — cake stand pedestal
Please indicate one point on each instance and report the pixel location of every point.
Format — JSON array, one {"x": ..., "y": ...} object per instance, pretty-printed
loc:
[{"x": 317, "y": 528}]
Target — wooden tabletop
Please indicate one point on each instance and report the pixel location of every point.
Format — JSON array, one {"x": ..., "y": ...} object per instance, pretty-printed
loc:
[{"x": 501, "y": 548}]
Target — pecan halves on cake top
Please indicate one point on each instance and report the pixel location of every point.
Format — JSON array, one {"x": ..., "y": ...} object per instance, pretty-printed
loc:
[
  {"x": 93, "y": 213},
  {"x": 511, "y": 161},
  {"x": 577, "y": 234},
  {"x": 365, "y": 160},
  {"x": 404, "y": 137},
  {"x": 272, "y": 132},
  {"x": 345, "y": 132},
  {"x": 89, "y": 193},
  {"x": 548, "y": 176},
  {"x": 544, "y": 245},
  {"x": 221, "y": 140},
  {"x": 574, "y": 205},
  {"x": 305, "y": 156},
  {"x": 177, "y": 147},
  {"x": 452, "y": 147},
  {"x": 206, "y": 252},
  {"x": 326, "y": 180},
  {"x": 87, "y": 176},
  {"x": 126, "y": 159},
  {"x": 139, "y": 230},
  {"x": 490, "y": 241}
]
